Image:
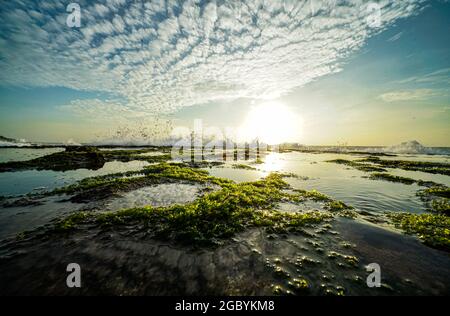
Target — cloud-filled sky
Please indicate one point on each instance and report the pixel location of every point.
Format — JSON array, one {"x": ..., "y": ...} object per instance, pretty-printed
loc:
[{"x": 162, "y": 63}]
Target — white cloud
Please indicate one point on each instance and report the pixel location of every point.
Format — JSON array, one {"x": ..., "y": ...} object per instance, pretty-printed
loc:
[
  {"x": 160, "y": 56},
  {"x": 396, "y": 37},
  {"x": 440, "y": 76},
  {"x": 409, "y": 95}
]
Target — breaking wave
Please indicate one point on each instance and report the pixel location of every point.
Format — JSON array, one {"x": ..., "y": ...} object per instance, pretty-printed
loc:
[
  {"x": 6, "y": 142},
  {"x": 414, "y": 147}
]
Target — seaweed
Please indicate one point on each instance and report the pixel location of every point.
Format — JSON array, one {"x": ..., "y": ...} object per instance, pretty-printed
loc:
[
  {"x": 441, "y": 206},
  {"x": 359, "y": 166},
  {"x": 77, "y": 157},
  {"x": 391, "y": 178},
  {"x": 70, "y": 159},
  {"x": 243, "y": 167},
  {"x": 213, "y": 217},
  {"x": 314, "y": 195},
  {"x": 432, "y": 229},
  {"x": 440, "y": 191},
  {"x": 100, "y": 187},
  {"x": 423, "y": 166}
]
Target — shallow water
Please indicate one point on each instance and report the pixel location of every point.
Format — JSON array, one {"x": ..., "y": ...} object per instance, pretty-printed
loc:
[
  {"x": 243, "y": 265},
  {"x": 158, "y": 196},
  {"x": 14, "y": 220},
  {"x": 237, "y": 175},
  {"x": 23, "y": 182},
  {"x": 22, "y": 154},
  {"x": 339, "y": 181}
]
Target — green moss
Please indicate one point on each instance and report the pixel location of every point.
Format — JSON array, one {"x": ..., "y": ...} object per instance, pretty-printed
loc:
[
  {"x": 337, "y": 206},
  {"x": 348, "y": 213},
  {"x": 299, "y": 285},
  {"x": 70, "y": 159},
  {"x": 183, "y": 172},
  {"x": 20, "y": 236},
  {"x": 278, "y": 290},
  {"x": 135, "y": 154},
  {"x": 76, "y": 157},
  {"x": 357, "y": 165},
  {"x": 281, "y": 273},
  {"x": 391, "y": 178},
  {"x": 293, "y": 175},
  {"x": 351, "y": 260},
  {"x": 71, "y": 221},
  {"x": 216, "y": 215},
  {"x": 160, "y": 173},
  {"x": 243, "y": 167},
  {"x": 314, "y": 195},
  {"x": 404, "y": 180},
  {"x": 440, "y": 191},
  {"x": 423, "y": 166},
  {"x": 259, "y": 161},
  {"x": 441, "y": 206},
  {"x": 432, "y": 229}
]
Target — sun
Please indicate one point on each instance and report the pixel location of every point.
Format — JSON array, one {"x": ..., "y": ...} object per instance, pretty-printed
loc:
[{"x": 272, "y": 123}]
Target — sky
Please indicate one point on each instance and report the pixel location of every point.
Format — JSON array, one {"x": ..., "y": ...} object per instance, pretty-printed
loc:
[{"x": 320, "y": 72}]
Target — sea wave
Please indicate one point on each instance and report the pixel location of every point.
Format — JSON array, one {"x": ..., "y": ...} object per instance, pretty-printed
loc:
[
  {"x": 415, "y": 148},
  {"x": 129, "y": 143},
  {"x": 14, "y": 144}
]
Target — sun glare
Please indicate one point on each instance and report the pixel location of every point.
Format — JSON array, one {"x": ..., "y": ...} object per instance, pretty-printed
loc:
[{"x": 272, "y": 123}]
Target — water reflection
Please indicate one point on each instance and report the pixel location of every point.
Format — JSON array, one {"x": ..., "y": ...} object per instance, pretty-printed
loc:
[
  {"x": 22, "y": 182},
  {"x": 273, "y": 162}
]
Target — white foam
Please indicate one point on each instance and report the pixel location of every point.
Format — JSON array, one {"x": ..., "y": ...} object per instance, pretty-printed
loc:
[
  {"x": 415, "y": 148},
  {"x": 14, "y": 144}
]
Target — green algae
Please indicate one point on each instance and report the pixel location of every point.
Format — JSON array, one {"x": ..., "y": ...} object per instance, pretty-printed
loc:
[
  {"x": 375, "y": 164},
  {"x": 404, "y": 180},
  {"x": 441, "y": 206},
  {"x": 71, "y": 158},
  {"x": 314, "y": 195},
  {"x": 337, "y": 206},
  {"x": 134, "y": 154},
  {"x": 299, "y": 285},
  {"x": 351, "y": 261},
  {"x": 439, "y": 191},
  {"x": 348, "y": 213},
  {"x": 77, "y": 157},
  {"x": 432, "y": 229},
  {"x": 284, "y": 148},
  {"x": 243, "y": 167},
  {"x": 71, "y": 221},
  {"x": 103, "y": 186},
  {"x": 357, "y": 165},
  {"x": 423, "y": 166},
  {"x": 391, "y": 178},
  {"x": 281, "y": 273},
  {"x": 212, "y": 217},
  {"x": 437, "y": 197}
]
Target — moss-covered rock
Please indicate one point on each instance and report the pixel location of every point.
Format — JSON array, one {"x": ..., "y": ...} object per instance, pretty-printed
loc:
[
  {"x": 433, "y": 229},
  {"x": 215, "y": 216},
  {"x": 423, "y": 166},
  {"x": 357, "y": 165}
]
